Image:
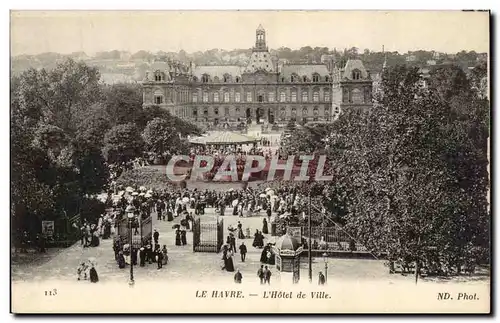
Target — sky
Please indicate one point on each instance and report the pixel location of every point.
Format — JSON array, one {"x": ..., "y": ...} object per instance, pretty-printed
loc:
[{"x": 34, "y": 32}]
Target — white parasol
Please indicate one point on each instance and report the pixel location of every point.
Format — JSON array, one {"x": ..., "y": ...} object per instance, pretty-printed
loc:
[
  {"x": 129, "y": 189},
  {"x": 230, "y": 190},
  {"x": 235, "y": 202},
  {"x": 270, "y": 192},
  {"x": 262, "y": 195},
  {"x": 121, "y": 193},
  {"x": 142, "y": 194},
  {"x": 267, "y": 189},
  {"x": 143, "y": 188},
  {"x": 185, "y": 200},
  {"x": 135, "y": 194},
  {"x": 150, "y": 191},
  {"x": 148, "y": 195}
]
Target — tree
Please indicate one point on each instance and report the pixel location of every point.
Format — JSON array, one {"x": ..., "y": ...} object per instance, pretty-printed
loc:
[
  {"x": 160, "y": 137},
  {"x": 122, "y": 143},
  {"x": 401, "y": 178},
  {"x": 123, "y": 103},
  {"x": 54, "y": 96},
  {"x": 93, "y": 173}
]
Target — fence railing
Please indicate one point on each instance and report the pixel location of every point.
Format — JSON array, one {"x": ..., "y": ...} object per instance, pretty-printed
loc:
[{"x": 326, "y": 239}]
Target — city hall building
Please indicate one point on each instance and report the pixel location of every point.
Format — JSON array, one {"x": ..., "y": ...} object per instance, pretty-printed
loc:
[{"x": 264, "y": 91}]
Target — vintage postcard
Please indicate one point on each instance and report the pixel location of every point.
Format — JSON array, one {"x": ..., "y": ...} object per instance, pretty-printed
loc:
[{"x": 250, "y": 162}]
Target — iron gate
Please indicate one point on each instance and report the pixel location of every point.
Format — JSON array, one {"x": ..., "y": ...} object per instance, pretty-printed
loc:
[{"x": 208, "y": 237}]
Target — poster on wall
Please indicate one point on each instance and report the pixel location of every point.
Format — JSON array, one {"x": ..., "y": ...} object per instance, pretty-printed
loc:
[{"x": 48, "y": 228}]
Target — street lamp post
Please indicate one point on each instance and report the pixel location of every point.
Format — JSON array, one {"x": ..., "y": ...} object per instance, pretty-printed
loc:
[
  {"x": 130, "y": 215},
  {"x": 325, "y": 259}
]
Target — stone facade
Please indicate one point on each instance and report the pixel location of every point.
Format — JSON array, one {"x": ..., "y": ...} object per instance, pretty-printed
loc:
[{"x": 265, "y": 91}]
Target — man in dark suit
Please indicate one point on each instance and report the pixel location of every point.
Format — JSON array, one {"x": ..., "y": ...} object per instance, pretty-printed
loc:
[{"x": 243, "y": 251}]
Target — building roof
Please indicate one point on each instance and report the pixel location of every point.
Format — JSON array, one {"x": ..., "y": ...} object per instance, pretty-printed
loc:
[
  {"x": 352, "y": 65},
  {"x": 304, "y": 70},
  {"x": 217, "y": 70},
  {"x": 260, "y": 28},
  {"x": 223, "y": 138},
  {"x": 287, "y": 242}
]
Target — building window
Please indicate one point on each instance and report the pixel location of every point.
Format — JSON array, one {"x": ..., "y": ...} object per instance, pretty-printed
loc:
[
  {"x": 159, "y": 76},
  {"x": 282, "y": 97},
  {"x": 205, "y": 97},
  {"x": 195, "y": 79},
  {"x": 158, "y": 99},
  {"x": 304, "y": 112},
  {"x": 283, "y": 79},
  {"x": 356, "y": 75},
  {"x": 226, "y": 111},
  {"x": 237, "y": 111},
  {"x": 195, "y": 112},
  {"x": 205, "y": 112},
  {"x": 271, "y": 96},
  {"x": 237, "y": 79},
  {"x": 237, "y": 97},
  {"x": 195, "y": 97},
  {"x": 304, "y": 79},
  {"x": 327, "y": 96},
  {"x": 295, "y": 78},
  {"x": 327, "y": 78},
  {"x": 260, "y": 98},
  {"x": 226, "y": 96},
  {"x": 216, "y": 97},
  {"x": 216, "y": 111},
  {"x": 304, "y": 96},
  {"x": 216, "y": 79},
  {"x": 205, "y": 78},
  {"x": 316, "y": 96},
  {"x": 315, "y": 111},
  {"x": 249, "y": 96},
  {"x": 357, "y": 96},
  {"x": 294, "y": 96},
  {"x": 282, "y": 113},
  {"x": 294, "y": 112},
  {"x": 315, "y": 78}
]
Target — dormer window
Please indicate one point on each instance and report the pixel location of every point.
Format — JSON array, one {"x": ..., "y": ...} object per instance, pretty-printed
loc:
[
  {"x": 205, "y": 78},
  {"x": 356, "y": 75},
  {"x": 304, "y": 79},
  {"x": 159, "y": 76},
  {"x": 237, "y": 79},
  {"x": 327, "y": 78},
  {"x": 216, "y": 79},
  {"x": 315, "y": 78},
  {"x": 195, "y": 79},
  {"x": 295, "y": 78}
]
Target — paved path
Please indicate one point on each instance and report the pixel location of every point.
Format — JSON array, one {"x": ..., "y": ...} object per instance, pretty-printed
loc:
[{"x": 184, "y": 264}]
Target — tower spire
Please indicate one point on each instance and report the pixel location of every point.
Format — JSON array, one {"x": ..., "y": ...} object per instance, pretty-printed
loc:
[{"x": 260, "y": 38}]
